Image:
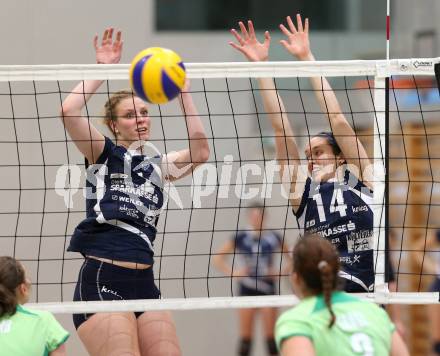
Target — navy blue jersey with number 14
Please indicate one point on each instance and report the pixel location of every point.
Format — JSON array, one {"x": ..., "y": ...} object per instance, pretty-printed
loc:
[{"x": 341, "y": 212}]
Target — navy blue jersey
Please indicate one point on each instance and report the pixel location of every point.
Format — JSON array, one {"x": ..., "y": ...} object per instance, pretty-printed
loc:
[
  {"x": 123, "y": 200},
  {"x": 256, "y": 251},
  {"x": 341, "y": 212}
]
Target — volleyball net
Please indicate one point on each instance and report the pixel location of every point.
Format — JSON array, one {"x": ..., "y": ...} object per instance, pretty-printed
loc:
[{"x": 393, "y": 106}]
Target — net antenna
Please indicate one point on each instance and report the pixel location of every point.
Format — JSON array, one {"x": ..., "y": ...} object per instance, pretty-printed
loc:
[
  {"x": 381, "y": 142},
  {"x": 380, "y": 154}
]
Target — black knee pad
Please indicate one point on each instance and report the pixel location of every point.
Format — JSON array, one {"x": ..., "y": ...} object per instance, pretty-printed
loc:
[
  {"x": 271, "y": 347},
  {"x": 436, "y": 347},
  {"x": 244, "y": 347}
]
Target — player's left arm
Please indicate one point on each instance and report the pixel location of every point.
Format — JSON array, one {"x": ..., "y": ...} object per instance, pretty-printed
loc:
[
  {"x": 181, "y": 163},
  {"x": 298, "y": 44}
]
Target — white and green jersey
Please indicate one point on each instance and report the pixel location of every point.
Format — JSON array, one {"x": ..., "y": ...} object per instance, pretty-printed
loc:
[
  {"x": 30, "y": 333},
  {"x": 361, "y": 327}
]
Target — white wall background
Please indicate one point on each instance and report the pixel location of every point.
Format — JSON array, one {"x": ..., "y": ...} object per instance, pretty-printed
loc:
[
  {"x": 52, "y": 32},
  {"x": 409, "y": 18}
]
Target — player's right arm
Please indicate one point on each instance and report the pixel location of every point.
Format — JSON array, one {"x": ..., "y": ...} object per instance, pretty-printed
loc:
[
  {"x": 86, "y": 137},
  {"x": 287, "y": 153}
]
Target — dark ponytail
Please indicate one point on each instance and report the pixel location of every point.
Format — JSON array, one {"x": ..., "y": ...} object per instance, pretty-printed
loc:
[
  {"x": 11, "y": 276},
  {"x": 316, "y": 262},
  {"x": 327, "y": 282}
]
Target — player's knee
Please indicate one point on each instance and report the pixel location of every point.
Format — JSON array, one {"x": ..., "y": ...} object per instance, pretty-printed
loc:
[
  {"x": 163, "y": 348},
  {"x": 271, "y": 346},
  {"x": 244, "y": 347}
]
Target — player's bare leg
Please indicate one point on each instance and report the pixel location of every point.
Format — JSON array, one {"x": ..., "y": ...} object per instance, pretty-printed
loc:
[
  {"x": 157, "y": 334},
  {"x": 110, "y": 334}
]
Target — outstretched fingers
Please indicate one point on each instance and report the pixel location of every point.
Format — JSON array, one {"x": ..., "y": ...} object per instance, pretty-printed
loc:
[
  {"x": 248, "y": 43},
  {"x": 95, "y": 42},
  {"x": 266, "y": 38},
  {"x": 118, "y": 36},
  {"x": 251, "y": 29},
  {"x": 285, "y": 44},
  {"x": 237, "y": 37},
  {"x": 118, "y": 40},
  {"x": 299, "y": 23},
  {"x": 110, "y": 36},
  {"x": 306, "y": 25},
  {"x": 107, "y": 36},
  {"x": 104, "y": 37},
  {"x": 244, "y": 32},
  {"x": 291, "y": 25},
  {"x": 285, "y": 30},
  {"x": 237, "y": 47}
]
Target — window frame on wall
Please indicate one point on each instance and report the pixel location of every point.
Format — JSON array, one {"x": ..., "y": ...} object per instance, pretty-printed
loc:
[{"x": 326, "y": 15}]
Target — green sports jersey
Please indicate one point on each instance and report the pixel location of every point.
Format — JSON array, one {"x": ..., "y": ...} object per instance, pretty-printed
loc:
[
  {"x": 361, "y": 327},
  {"x": 30, "y": 333}
]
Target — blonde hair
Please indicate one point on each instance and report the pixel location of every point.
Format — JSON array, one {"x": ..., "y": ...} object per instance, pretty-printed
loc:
[{"x": 111, "y": 105}]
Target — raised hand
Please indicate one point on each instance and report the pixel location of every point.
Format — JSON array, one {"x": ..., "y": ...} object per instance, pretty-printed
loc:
[
  {"x": 297, "y": 42},
  {"x": 109, "y": 52},
  {"x": 249, "y": 45}
]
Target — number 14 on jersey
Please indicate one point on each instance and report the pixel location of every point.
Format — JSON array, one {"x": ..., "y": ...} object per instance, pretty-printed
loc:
[{"x": 337, "y": 204}]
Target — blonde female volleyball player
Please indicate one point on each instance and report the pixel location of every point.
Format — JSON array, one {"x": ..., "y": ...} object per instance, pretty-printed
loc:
[
  {"x": 255, "y": 249},
  {"x": 124, "y": 199},
  {"x": 327, "y": 321},
  {"x": 335, "y": 200},
  {"x": 23, "y": 331}
]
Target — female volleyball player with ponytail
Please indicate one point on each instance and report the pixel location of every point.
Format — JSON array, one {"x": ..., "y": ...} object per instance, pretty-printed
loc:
[
  {"x": 124, "y": 199},
  {"x": 23, "y": 331},
  {"x": 334, "y": 198},
  {"x": 328, "y": 321}
]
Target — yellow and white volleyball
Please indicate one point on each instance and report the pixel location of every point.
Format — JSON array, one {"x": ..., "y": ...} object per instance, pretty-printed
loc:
[{"x": 157, "y": 75}]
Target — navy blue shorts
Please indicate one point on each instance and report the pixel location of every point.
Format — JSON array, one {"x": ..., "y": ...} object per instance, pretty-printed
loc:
[
  {"x": 104, "y": 281},
  {"x": 261, "y": 287},
  {"x": 435, "y": 286},
  {"x": 352, "y": 287}
]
